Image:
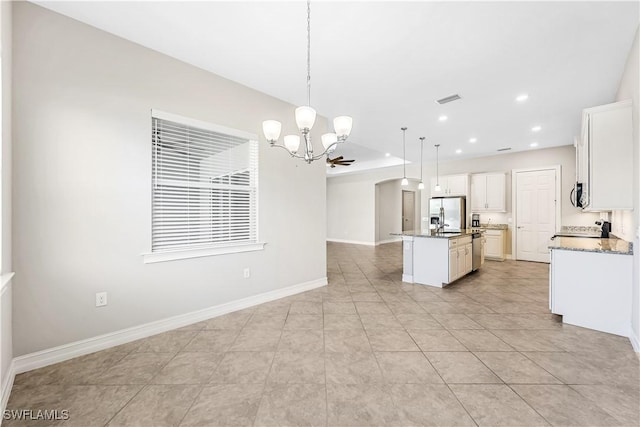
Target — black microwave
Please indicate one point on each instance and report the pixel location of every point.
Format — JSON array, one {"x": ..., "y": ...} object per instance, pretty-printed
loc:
[{"x": 576, "y": 195}]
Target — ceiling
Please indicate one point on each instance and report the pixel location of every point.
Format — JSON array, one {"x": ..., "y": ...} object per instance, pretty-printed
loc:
[{"x": 385, "y": 63}]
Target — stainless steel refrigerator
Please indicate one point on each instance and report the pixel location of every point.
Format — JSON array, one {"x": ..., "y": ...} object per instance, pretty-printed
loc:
[{"x": 454, "y": 212}]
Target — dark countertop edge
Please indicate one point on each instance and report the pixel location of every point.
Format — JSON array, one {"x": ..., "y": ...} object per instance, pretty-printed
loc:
[{"x": 447, "y": 236}]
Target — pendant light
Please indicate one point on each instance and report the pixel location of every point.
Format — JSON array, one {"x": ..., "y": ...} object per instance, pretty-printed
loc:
[
  {"x": 421, "y": 185},
  {"x": 437, "y": 171},
  {"x": 405, "y": 181},
  {"x": 305, "y": 118}
]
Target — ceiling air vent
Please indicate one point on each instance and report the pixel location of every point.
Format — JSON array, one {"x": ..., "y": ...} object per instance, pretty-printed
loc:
[
  {"x": 447, "y": 99},
  {"x": 504, "y": 149}
]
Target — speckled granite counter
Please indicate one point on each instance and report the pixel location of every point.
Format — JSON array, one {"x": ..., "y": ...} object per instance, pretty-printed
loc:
[
  {"x": 610, "y": 246},
  {"x": 494, "y": 226},
  {"x": 438, "y": 235}
]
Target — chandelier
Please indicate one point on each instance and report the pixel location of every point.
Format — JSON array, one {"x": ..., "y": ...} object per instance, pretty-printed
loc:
[{"x": 305, "y": 118}]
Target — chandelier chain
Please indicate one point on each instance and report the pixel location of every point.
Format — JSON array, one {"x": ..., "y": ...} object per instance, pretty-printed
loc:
[{"x": 308, "y": 53}]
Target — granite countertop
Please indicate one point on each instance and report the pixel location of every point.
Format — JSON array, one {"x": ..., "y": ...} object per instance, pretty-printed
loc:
[
  {"x": 584, "y": 244},
  {"x": 494, "y": 226},
  {"x": 438, "y": 235}
]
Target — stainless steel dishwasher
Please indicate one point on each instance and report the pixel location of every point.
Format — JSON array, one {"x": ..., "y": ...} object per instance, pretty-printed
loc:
[{"x": 477, "y": 243}]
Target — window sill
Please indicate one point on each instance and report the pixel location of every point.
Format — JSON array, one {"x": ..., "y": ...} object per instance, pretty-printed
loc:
[{"x": 197, "y": 253}]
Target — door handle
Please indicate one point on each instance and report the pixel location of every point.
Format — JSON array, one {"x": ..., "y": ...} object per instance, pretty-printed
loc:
[{"x": 520, "y": 227}]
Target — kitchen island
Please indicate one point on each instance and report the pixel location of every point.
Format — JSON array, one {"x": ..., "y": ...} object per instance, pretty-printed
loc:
[{"x": 436, "y": 258}]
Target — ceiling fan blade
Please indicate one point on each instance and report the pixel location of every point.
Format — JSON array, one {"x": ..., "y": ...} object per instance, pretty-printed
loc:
[
  {"x": 337, "y": 159},
  {"x": 346, "y": 161}
]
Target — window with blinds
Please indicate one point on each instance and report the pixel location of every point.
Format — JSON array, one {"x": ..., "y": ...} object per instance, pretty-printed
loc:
[{"x": 205, "y": 185}]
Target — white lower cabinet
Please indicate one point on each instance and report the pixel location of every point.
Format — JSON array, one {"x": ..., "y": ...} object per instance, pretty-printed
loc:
[
  {"x": 453, "y": 264},
  {"x": 460, "y": 258},
  {"x": 468, "y": 258},
  {"x": 462, "y": 268},
  {"x": 592, "y": 290},
  {"x": 494, "y": 245}
]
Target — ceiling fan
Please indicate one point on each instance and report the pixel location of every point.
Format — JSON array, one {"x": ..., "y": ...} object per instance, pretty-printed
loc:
[{"x": 339, "y": 161}]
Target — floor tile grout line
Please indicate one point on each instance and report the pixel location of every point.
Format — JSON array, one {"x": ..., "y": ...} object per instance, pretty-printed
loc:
[
  {"x": 193, "y": 402},
  {"x": 530, "y": 405},
  {"x": 126, "y": 404},
  {"x": 542, "y": 367}
]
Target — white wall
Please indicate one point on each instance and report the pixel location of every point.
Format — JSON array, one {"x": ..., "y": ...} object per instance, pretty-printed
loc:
[
  {"x": 626, "y": 223},
  {"x": 389, "y": 209},
  {"x": 351, "y": 209},
  {"x": 360, "y": 211},
  {"x": 6, "y": 344},
  {"x": 82, "y": 186}
]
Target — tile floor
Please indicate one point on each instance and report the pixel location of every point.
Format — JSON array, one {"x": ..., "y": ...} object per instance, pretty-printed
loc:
[{"x": 365, "y": 350}]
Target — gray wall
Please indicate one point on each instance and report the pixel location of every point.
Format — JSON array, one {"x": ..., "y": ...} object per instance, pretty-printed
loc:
[
  {"x": 389, "y": 208},
  {"x": 6, "y": 345},
  {"x": 82, "y": 186}
]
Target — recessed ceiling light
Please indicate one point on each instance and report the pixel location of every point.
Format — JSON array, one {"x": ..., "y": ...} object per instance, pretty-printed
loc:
[
  {"x": 533, "y": 144},
  {"x": 522, "y": 98},
  {"x": 442, "y": 118},
  {"x": 473, "y": 140},
  {"x": 458, "y": 151},
  {"x": 387, "y": 154},
  {"x": 536, "y": 128}
]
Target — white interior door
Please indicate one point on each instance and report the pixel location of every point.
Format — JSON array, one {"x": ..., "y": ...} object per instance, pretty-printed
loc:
[
  {"x": 408, "y": 210},
  {"x": 535, "y": 214}
]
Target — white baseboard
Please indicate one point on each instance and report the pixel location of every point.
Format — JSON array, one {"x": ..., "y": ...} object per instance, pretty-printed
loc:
[
  {"x": 7, "y": 385},
  {"x": 384, "y": 242},
  {"x": 407, "y": 278},
  {"x": 64, "y": 352},
  {"x": 352, "y": 242},
  {"x": 635, "y": 342}
]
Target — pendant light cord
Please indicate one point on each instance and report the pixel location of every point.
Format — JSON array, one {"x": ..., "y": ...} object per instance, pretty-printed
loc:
[
  {"x": 421, "y": 155},
  {"x": 404, "y": 153},
  {"x": 309, "y": 53},
  {"x": 437, "y": 171}
]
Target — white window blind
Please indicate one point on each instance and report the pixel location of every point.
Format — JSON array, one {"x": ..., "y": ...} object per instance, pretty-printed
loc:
[{"x": 205, "y": 184}]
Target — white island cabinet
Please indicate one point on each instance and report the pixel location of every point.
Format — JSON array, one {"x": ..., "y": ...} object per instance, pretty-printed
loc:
[
  {"x": 590, "y": 283},
  {"x": 436, "y": 259}
]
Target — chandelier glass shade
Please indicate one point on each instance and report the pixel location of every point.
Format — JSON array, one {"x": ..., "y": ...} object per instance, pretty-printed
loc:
[{"x": 305, "y": 119}]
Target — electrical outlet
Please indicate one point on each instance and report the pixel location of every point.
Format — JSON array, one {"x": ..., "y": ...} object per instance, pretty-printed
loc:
[
  {"x": 247, "y": 273},
  {"x": 101, "y": 299}
]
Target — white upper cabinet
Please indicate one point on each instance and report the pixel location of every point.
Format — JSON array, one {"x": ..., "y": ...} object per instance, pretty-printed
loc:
[
  {"x": 605, "y": 157},
  {"x": 488, "y": 192},
  {"x": 451, "y": 186}
]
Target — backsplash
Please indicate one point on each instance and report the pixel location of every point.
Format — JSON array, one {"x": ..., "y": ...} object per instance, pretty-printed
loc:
[{"x": 586, "y": 229}]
